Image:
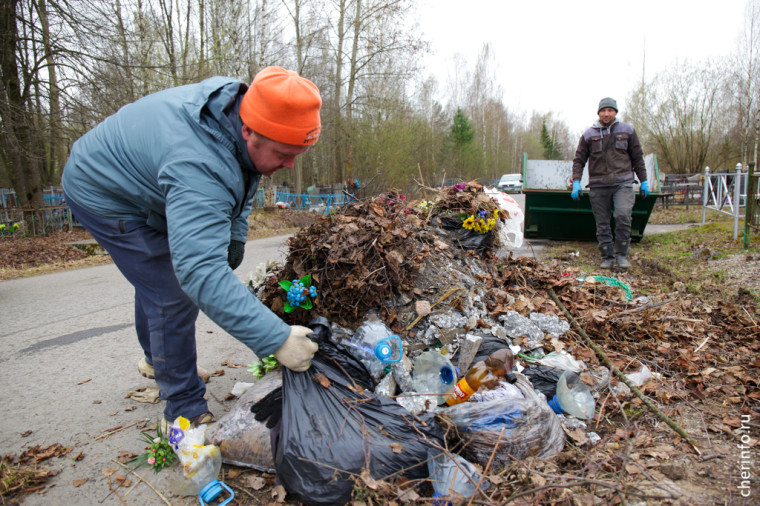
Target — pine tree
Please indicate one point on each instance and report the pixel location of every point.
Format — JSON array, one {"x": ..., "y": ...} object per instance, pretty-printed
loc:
[
  {"x": 551, "y": 151},
  {"x": 462, "y": 133}
]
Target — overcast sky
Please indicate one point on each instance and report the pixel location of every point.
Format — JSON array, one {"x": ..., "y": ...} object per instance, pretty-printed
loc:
[{"x": 564, "y": 56}]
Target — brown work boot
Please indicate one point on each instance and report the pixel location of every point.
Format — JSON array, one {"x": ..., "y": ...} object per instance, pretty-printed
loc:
[
  {"x": 206, "y": 418},
  {"x": 147, "y": 370}
]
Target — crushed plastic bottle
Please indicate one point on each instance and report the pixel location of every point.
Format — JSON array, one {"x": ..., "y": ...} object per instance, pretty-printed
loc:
[
  {"x": 573, "y": 397},
  {"x": 204, "y": 479},
  {"x": 201, "y": 463},
  {"x": 375, "y": 345},
  {"x": 453, "y": 474},
  {"x": 433, "y": 374}
]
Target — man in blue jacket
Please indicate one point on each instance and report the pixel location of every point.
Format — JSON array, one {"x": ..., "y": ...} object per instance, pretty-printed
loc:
[
  {"x": 614, "y": 153},
  {"x": 165, "y": 185}
]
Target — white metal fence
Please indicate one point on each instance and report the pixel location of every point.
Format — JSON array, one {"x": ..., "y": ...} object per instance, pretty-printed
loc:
[{"x": 726, "y": 193}]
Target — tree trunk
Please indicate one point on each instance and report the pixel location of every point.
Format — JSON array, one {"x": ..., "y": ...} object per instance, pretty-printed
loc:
[
  {"x": 16, "y": 135},
  {"x": 57, "y": 145}
]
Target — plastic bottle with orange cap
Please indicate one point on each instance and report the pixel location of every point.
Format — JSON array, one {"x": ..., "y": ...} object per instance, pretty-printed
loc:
[{"x": 485, "y": 373}]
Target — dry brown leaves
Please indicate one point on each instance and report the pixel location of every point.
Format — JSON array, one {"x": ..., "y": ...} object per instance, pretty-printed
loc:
[
  {"x": 367, "y": 253},
  {"x": 23, "y": 476},
  {"x": 19, "y": 252}
]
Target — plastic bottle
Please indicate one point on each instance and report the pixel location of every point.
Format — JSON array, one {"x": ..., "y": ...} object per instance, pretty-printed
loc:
[
  {"x": 375, "y": 345},
  {"x": 452, "y": 473},
  {"x": 573, "y": 397},
  {"x": 199, "y": 477},
  {"x": 433, "y": 373},
  {"x": 485, "y": 373}
]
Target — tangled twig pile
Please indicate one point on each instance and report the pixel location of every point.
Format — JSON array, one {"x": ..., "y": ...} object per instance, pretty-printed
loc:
[{"x": 370, "y": 252}]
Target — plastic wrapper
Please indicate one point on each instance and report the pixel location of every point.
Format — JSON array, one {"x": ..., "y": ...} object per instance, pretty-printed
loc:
[
  {"x": 511, "y": 230},
  {"x": 505, "y": 391},
  {"x": 189, "y": 446},
  {"x": 641, "y": 376},
  {"x": 333, "y": 427},
  {"x": 530, "y": 427},
  {"x": 561, "y": 360},
  {"x": 242, "y": 440}
]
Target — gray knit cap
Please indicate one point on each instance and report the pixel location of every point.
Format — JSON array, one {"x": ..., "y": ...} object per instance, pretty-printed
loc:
[{"x": 607, "y": 102}]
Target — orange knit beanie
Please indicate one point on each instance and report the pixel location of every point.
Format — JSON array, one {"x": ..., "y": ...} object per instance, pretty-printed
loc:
[{"x": 282, "y": 106}]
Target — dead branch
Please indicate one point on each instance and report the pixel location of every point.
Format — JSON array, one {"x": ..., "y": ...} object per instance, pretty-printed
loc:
[
  {"x": 648, "y": 403},
  {"x": 144, "y": 481}
]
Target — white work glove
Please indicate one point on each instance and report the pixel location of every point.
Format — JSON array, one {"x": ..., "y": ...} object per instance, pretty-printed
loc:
[{"x": 297, "y": 350}]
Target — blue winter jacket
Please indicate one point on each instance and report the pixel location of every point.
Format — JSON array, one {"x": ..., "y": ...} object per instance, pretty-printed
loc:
[{"x": 177, "y": 160}]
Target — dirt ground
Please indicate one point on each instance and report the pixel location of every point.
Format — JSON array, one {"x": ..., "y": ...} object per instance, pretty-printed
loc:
[{"x": 702, "y": 348}]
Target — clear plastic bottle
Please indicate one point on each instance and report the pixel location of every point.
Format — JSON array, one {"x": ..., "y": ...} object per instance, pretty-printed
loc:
[
  {"x": 375, "y": 345},
  {"x": 573, "y": 397},
  {"x": 434, "y": 374},
  {"x": 452, "y": 473},
  {"x": 200, "y": 475},
  {"x": 485, "y": 373}
]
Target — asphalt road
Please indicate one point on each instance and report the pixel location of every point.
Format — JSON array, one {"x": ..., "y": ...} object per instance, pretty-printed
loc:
[{"x": 69, "y": 356}]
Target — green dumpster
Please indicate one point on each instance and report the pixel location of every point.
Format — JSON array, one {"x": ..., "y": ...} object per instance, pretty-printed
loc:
[{"x": 550, "y": 213}]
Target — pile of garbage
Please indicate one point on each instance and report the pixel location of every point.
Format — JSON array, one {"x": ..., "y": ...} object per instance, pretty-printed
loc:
[{"x": 430, "y": 367}]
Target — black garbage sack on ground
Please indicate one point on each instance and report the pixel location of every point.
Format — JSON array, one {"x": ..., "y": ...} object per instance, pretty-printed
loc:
[
  {"x": 332, "y": 427},
  {"x": 466, "y": 239},
  {"x": 242, "y": 440}
]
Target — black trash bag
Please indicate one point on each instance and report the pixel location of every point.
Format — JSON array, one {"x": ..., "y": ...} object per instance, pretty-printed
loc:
[
  {"x": 544, "y": 379},
  {"x": 333, "y": 427},
  {"x": 466, "y": 239},
  {"x": 269, "y": 408}
]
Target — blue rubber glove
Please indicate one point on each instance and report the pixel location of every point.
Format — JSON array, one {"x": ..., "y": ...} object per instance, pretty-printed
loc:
[
  {"x": 576, "y": 190},
  {"x": 645, "y": 188}
]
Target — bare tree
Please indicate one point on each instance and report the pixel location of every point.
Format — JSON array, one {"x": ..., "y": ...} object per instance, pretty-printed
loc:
[
  {"x": 746, "y": 79},
  {"x": 19, "y": 150},
  {"x": 678, "y": 113}
]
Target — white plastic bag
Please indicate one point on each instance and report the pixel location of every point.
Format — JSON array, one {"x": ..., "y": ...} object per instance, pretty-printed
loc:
[
  {"x": 562, "y": 360},
  {"x": 511, "y": 230},
  {"x": 189, "y": 445},
  {"x": 641, "y": 376}
]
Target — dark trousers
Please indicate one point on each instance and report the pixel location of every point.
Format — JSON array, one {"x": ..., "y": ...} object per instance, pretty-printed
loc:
[
  {"x": 164, "y": 315},
  {"x": 604, "y": 201}
]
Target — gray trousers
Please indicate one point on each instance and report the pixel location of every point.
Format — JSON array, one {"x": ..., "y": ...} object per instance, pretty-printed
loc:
[{"x": 604, "y": 202}]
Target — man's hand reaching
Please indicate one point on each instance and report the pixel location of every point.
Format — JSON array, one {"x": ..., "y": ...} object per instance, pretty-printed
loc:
[{"x": 297, "y": 350}]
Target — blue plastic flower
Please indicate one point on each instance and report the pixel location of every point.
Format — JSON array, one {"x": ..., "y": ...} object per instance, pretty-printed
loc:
[
  {"x": 312, "y": 291},
  {"x": 175, "y": 435},
  {"x": 298, "y": 293}
]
